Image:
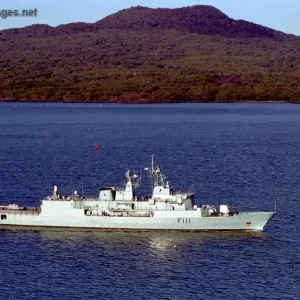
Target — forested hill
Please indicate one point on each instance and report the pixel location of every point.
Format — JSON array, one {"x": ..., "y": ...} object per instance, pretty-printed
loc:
[{"x": 151, "y": 55}]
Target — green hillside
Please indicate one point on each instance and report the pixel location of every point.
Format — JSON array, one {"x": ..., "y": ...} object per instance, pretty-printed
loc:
[{"x": 151, "y": 55}]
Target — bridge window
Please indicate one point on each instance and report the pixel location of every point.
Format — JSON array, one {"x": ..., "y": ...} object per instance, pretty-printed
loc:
[{"x": 3, "y": 217}]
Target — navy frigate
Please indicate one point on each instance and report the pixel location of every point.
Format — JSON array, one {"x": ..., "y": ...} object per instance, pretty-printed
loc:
[{"x": 123, "y": 209}]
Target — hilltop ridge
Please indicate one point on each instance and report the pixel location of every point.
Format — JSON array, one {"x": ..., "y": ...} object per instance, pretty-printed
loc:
[{"x": 201, "y": 19}]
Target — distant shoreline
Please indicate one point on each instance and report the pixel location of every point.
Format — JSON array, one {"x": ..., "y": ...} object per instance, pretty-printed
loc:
[{"x": 146, "y": 102}]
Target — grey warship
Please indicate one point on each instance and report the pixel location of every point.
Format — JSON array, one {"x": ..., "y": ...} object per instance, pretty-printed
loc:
[{"x": 122, "y": 209}]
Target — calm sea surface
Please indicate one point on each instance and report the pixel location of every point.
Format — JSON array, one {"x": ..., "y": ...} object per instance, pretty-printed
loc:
[{"x": 244, "y": 155}]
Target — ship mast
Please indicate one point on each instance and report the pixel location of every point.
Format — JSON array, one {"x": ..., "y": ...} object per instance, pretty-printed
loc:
[{"x": 157, "y": 174}]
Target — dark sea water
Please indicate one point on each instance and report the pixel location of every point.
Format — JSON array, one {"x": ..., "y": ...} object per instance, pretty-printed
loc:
[{"x": 244, "y": 155}]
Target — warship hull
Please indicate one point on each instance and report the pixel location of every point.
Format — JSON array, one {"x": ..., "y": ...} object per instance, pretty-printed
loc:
[{"x": 184, "y": 221}]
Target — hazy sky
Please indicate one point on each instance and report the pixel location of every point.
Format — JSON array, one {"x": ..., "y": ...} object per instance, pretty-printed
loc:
[{"x": 281, "y": 15}]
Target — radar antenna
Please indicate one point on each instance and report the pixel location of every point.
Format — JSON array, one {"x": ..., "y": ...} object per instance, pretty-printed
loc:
[{"x": 133, "y": 178}]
